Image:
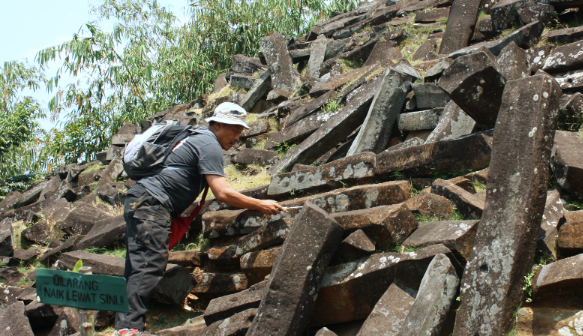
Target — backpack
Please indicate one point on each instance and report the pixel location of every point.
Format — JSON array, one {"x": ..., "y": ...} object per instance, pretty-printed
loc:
[{"x": 146, "y": 153}]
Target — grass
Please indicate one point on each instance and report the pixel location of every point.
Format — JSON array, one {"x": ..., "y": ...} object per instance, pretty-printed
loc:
[
  {"x": 242, "y": 180},
  {"x": 260, "y": 144},
  {"x": 455, "y": 216},
  {"x": 226, "y": 91},
  {"x": 117, "y": 250},
  {"x": 348, "y": 65},
  {"x": 160, "y": 316},
  {"x": 416, "y": 36},
  {"x": 93, "y": 168},
  {"x": 375, "y": 73},
  {"x": 398, "y": 248},
  {"x": 479, "y": 186},
  {"x": 283, "y": 148},
  {"x": 445, "y": 175},
  {"x": 540, "y": 260},
  {"x": 115, "y": 210},
  {"x": 251, "y": 118},
  {"x": 199, "y": 243},
  {"x": 332, "y": 107},
  {"x": 506, "y": 32},
  {"x": 482, "y": 14},
  {"x": 569, "y": 122}
]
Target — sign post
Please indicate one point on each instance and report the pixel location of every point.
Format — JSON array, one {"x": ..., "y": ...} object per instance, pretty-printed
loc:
[{"x": 82, "y": 290}]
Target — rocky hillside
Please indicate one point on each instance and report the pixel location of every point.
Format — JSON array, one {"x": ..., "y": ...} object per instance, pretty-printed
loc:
[{"x": 431, "y": 156}]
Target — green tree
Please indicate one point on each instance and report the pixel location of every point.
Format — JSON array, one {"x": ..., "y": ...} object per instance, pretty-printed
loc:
[
  {"x": 21, "y": 148},
  {"x": 149, "y": 62}
]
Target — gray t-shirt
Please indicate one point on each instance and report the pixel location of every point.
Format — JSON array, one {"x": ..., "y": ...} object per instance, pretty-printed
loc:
[{"x": 182, "y": 180}]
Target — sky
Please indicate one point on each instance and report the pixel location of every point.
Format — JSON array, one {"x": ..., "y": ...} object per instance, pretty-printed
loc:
[{"x": 28, "y": 26}]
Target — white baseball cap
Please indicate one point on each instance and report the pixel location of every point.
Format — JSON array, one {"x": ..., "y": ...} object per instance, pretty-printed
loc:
[{"x": 229, "y": 113}]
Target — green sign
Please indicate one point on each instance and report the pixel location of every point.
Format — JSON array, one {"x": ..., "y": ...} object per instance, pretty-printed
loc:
[{"x": 85, "y": 291}]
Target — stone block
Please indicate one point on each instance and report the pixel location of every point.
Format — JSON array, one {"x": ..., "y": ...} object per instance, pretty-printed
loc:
[
  {"x": 457, "y": 236},
  {"x": 6, "y": 233},
  {"x": 453, "y": 123},
  {"x": 100, "y": 264},
  {"x": 388, "y": 102},
  {"x": 235, "y": 222},
  {"x": 552, "y": 219},
  {"x": 435, "y": 297},
  {"x": 426, "y": 52},
  {"x": 299, "y": 131},
  {"x": 11, "y": 276},
  {"x": 254, "y": 156},
  {"x": 571, "y": 81},
  {"x": 565, "y": 35},
  {"x": 428, "y": 95},
  {"x": 9, "y": 202},
  {"x": 430, "y": 205},
  {"x": 335, "y": 82},
  {"x": 82, "y": 219},
  {"x": 525, "y": 37},
  {"x": 112, "y": 193},
  {"x": 292, "y": 290},
  {"x": 244, "y": 64},
  {"x": 176, "y": 284},
  {"x": 13, "y": 320},
  {"x": 331, "y": 132},
  {"x": 567, "y": 161},
  {"x": 433, "y": 74},
  {"x": 185, "y": 258},
  {"x": 467, "y": 204},
  {"x": 538, "y": 56},
  {"x": 257, "y": 265},
  {"x": 565, "y": 58},
  {"x": 355, "y": 246},
  {"x": 218, "y": 284},
  {"x": 236, "y": 325},
  {"x": 266, "y": 236},
  {"x": 570, "y": 239},
  {"x": 533, "y": 11},
  {"x": 561, "y": 277},
  {"x": 111, "y": 173},
  {"x": 505, "y": 13},
  {"x": 434, "y": 15},
  {"x": 383, "y": 53},
  {"x": 317, "y": 55},
  {"x": 513, "y": 62},
  {"x": 517, "y": 189},
  {"x": 386, "y": 225},
  {"x": 256, "y": 128},
  {"x": 257, "y": 91},
  {"x": 468, "y": 152},
  {"x": 226, "y": 306},
  {"x": 53, "y": 253},
  {"x": 354, "y": 167},
  {"x": 475, "y": 83},
  {"x": 243, "y": 81},
  {"x": 325, "y": 332},
  {"x": 361, "y": 283},
  {"x": 548, "y": 321},
  {"x": 460, "y": 26},
  {"x": 284, "y": 76},
  {"x": 420, "y": 120},
  {"x": 309, "y": 108},
  {"x": 390, "y": 312},
  {"x": 103, "y": 233}
]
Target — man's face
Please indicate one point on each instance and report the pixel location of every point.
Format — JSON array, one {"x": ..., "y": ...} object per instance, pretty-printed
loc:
[{"x": 228, "y": 134}]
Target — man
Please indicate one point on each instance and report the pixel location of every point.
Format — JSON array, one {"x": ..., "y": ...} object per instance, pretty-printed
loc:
[{"x": 152, "y": 203}]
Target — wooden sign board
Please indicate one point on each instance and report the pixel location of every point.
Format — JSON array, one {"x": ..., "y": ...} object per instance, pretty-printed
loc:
[{"x": 85, "y": 291}]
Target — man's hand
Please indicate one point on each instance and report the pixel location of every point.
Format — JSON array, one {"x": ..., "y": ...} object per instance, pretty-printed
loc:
[
  {"x": 224, "y": 193},
  {"x": 270, "y": 207}
]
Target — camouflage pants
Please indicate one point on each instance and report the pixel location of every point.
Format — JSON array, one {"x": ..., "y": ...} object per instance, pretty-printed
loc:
[{"x": 147, "y": 235}]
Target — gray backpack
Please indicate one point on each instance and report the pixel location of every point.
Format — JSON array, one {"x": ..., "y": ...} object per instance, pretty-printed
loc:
[{"x": 146, "y": 153}]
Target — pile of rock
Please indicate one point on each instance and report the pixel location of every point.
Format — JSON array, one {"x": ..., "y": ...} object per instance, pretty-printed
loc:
[{"x": 364, "y": 126}]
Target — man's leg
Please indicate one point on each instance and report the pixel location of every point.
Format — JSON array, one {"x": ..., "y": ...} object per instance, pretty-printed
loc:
[{"x": 147, "y": 235}]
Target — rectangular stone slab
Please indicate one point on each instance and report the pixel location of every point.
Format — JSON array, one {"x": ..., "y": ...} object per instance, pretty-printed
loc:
[
  {"x": 434, "y": 299},
  {"x": 284, "y": 76},
  {"x": 419, "y": 120},
  {"x": 385, "y": 224},
  {"x": 567, "y": 161},
  {"x": 469, "y": 205},
  {"x": 467, "y": 152},
  {"x": 561, "y": 277},
  {"x": 552, "y": 218},
  {"x": 388, "y": 102},
  {"x": 225, "y": 306},
  {"x": 361, "y": 283},
  {"x": 460, "y": 26},
  {"x": 571, "y": 233},
  {"x": 390, "y": 312},
  {"x": 233, "y": 222},
  {"x": 458, "y": 236},
  {"x": 288, "y": 301},
  {"x": 329, "y": 134},
  {"x": 517, "y": 187},
  {"x": 453, "y": 123},
  {"x": 350, "y": 168},
  {"x": 257, "y": 265}
]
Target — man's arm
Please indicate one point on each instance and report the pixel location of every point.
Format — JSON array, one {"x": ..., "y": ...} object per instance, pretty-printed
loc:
[{"x": 226, "y": 194}]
